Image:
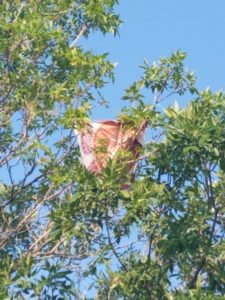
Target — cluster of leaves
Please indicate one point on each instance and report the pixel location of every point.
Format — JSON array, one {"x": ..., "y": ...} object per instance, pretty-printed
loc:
[{"x": 68, "y": 234}]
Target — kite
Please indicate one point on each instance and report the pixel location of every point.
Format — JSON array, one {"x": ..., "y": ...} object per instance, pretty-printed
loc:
[{"x": 102, "y": 140}]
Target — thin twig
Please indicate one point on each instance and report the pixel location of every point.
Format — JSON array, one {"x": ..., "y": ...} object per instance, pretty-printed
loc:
[
  {"x": 211, "y": 201},
  {"x": 109, "y": 238},
  {"x": 79, "y": 35}
]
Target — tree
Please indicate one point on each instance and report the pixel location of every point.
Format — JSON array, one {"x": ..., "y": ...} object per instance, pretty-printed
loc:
[{"x": 68, "y": 234}]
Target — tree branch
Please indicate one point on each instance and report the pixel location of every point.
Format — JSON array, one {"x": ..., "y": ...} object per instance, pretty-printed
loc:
[
  {"x": 79, "y": 35},
  {"x": 109, "y": 238}
]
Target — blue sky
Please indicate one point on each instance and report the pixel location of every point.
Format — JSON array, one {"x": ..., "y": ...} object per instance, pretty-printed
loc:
[{"x": 153, "y": 29}]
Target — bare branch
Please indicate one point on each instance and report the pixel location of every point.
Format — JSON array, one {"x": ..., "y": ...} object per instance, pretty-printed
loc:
[
  {"x": 79, "y": 35},
  {"x": 109, "y": 238}
]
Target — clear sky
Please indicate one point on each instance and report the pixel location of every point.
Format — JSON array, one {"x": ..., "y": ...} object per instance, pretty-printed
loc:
[{"x": 155, "y": 28}]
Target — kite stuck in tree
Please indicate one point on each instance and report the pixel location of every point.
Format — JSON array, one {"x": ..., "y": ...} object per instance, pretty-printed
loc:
[{"x": 101, "y": 141}]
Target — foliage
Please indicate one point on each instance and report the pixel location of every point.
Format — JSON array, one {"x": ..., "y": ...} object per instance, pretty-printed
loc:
[{"x": 68, "y": 234}]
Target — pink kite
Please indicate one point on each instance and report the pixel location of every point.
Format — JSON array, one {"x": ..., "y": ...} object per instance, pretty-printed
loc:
[{"x": 100, "y": 141}]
